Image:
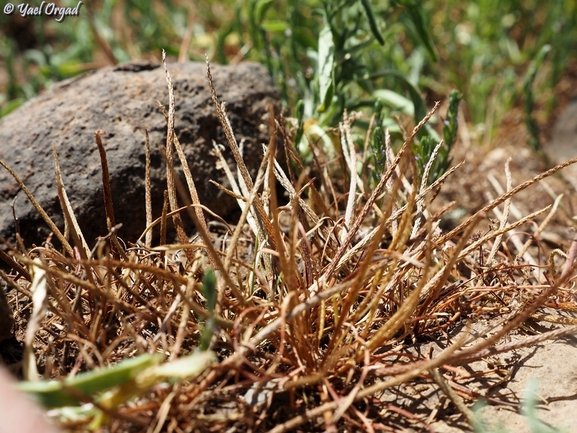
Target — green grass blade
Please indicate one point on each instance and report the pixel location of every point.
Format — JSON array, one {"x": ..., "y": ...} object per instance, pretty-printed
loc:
[
  {"x": 325, "y": 67},
  {"x": 416, "y": 15},
  {"x": 373, "y": 24},
  {"x": 53, "y": 393}
]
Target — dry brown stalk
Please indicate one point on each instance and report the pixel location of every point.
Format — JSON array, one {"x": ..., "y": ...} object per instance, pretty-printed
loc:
[
  {"x": 69, "y": 216},
  {"x": 523, "y": 342},
  {"x": 503, "y": 217},
  {"x": 107, "y": 195},
  {"x": 415, "y": 370},
  {"x": 191, "y": 188},
  {"x": 170, "y": 175},
  {"x": 434, "y": 286},
  {"x": 453, "y": 396},
  {"x": 260, "y": 211},
  {"x": 148, "y": 192},
  {"x": 376, "y": 192},
  {"x": 40, "y": 210},
  {"x": 505, "y": 197}
]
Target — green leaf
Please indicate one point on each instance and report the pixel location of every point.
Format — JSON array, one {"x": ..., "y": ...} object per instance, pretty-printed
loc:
[
  {"x": 373, "y": 24},
  {"x": 53, "y": 393},
  {"x": 393, "y": 99},
  {"x": 418, "y": 102},
  {"x": 261, "y": 7},
  {"x": 416, "y": 16},
  {"x": 210, "y": 293},
  {"x": 529, "y": 102},
  {"x": 209, "y": 290},
  {"x": 185, "y": 368},
  {"x": 299, "y": 114},
  {"x": 10, "y": 106},
  {"x": 274, "y": 26},
  {"x": 451, "y": 124},
  {"x": 325, "y": 67}
]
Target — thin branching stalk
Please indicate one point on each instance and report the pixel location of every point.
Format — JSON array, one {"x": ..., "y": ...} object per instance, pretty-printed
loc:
[
  {"x": 376, "y": 192},
  {"x": 75, "y": 231},
  {"x": 415, "y": 370},
  {"x": 260, "y": 211},
  {"x": 40, "y": 210},
  {"x": 505, "y": 197},
  {"x": 148, "y": 192},
  {"x": 170, "y": 173},
  {"x": 107, "y": 195}
]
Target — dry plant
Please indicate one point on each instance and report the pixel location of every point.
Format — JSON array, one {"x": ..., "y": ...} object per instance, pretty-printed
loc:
[{"x": 321, "y": 307}]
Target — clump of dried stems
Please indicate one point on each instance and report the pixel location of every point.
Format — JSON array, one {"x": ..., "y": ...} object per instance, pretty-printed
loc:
[{"x": 321, "y": 300}]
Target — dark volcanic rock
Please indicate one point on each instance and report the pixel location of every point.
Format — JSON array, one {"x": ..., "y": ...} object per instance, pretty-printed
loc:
[{"x": 122, "y": 101}]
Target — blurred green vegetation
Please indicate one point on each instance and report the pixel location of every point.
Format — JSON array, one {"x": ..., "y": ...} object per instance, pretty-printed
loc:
[{"x": 331, "y": 54}]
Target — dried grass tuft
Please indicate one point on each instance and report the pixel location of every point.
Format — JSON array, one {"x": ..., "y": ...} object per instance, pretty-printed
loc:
[{"x": 324, "y": 305}]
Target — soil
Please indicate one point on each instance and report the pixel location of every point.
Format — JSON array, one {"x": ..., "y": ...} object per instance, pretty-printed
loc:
[{"x": 552, "y": 363}]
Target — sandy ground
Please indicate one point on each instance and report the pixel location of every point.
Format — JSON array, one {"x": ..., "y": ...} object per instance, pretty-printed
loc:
[{"x": 551, "y": 366}]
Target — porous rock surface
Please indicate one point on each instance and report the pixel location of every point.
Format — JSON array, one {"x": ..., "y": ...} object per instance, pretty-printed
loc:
[{"x": 122, "y": 101}]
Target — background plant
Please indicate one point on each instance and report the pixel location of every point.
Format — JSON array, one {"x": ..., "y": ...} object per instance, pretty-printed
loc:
[
  {"x": 331, "y": 55},
  {"x": 482, "y": 48},
  {"x": 485, "y": 47}
]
